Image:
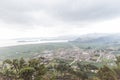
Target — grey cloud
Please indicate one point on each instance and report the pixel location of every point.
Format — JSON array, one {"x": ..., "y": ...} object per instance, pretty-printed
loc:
[
  {"x": 87, "y": 10},
  {"x": 57, "y": 11}
]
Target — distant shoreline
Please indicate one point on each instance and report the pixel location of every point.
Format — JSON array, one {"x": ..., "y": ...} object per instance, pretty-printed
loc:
[{"x": 8, "y": 43}]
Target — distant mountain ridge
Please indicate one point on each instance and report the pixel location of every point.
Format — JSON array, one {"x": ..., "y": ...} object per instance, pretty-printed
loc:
[
  {"x": 87, "y": 38},
  {"x": 99, "y": 38}
]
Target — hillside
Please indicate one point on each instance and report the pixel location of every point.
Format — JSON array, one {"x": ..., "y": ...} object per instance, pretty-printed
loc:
[{"x": 99, "y": 38}]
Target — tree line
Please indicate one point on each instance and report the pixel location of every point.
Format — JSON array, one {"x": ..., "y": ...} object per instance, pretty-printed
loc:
[{"x": 40, "y": 69}]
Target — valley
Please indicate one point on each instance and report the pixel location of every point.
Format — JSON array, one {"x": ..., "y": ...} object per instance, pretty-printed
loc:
[{"x": 89, "y": 53}]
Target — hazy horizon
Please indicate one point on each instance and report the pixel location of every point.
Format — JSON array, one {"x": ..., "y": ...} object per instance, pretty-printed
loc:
[{"x": 54, "y": 18}]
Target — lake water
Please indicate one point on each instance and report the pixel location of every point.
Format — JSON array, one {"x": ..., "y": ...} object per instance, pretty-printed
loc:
[{"x": 6, "y": 43}]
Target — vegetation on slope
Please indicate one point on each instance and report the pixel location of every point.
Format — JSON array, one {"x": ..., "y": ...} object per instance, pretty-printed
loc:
[{"x": 40, "y": 69}]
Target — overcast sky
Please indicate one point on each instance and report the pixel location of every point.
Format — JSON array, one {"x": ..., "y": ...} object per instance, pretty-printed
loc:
[{"x": 50, "y": 18}]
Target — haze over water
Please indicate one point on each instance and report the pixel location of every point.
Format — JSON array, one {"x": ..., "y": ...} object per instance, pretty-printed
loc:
[{"x": 10, "y": 42}]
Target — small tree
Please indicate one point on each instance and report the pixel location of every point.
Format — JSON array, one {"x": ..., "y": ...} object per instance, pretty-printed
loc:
[
  {"x": 27, "y": 73},
  {"x": 106, "y": 73}
]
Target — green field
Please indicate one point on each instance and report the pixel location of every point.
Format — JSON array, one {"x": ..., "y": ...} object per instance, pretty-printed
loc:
[{"x": 29, "y": 50}]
